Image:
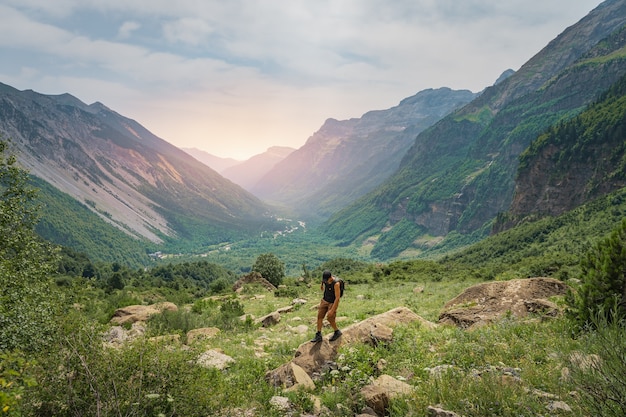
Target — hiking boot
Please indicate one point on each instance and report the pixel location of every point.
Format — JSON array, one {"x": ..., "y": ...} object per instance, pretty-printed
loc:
[
  {"x": 335, "y": 335},
  {"x": 317, "y": 338}
]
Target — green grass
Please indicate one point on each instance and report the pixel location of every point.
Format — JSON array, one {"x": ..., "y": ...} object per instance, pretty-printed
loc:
[{"x": 510, "y": 368}]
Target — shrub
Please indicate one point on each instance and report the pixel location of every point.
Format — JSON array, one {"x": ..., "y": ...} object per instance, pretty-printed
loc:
[
  {"x": 604, "y": 281},
  {"x": 270, "y": 267},
  {"x": 141, "y": 378},
  {"x": 600, "y": 379},
  {"x": 29, "y": 305}
]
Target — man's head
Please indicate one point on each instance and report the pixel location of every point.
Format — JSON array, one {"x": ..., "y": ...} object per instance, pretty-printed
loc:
[{"x": 326, "y": 276}]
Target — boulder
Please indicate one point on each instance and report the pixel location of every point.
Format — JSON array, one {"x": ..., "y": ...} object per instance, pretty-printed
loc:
[
  {"x": 311, "y": 357},
  {"x": 292, "y": 377},
  {"x": 200, "y": 334},
  {"x": 214, "y": 359},
  {"x": 379, "y": 393},
  {"x": 134, "y": 313},
  {"x": 487, "y": 302},
  {"x": 269, "y": 320},
  {"x": 252, "y": 278}
]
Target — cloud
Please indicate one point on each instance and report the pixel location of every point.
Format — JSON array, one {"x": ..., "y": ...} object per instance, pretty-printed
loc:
[
  {"x": 127, "y": 29},
  {"x": 266, "y": 72},
  {"x": 192, "y": 31}
]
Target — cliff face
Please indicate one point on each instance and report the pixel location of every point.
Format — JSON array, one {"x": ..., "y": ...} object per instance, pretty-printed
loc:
[{"x": 573, "y": 162}]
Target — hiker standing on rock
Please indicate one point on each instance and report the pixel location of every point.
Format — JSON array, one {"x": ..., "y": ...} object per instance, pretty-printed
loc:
[{"x": 328, "y": 306}]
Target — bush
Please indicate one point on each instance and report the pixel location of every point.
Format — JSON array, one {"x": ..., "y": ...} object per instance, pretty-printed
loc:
[
  {"x": 29, "y": 304},
  {"x": 604, "y": 281},
  {"x": 141, "y": 378},
  {"x": 600, "y": 378}
]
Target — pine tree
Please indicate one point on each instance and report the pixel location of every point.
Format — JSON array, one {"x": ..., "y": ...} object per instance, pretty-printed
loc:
[{"x": 603, "y": 290}]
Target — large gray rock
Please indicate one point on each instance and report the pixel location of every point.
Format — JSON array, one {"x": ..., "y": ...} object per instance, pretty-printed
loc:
[
  {"x": 313, "y": 356},
  {"x": 487, "y": 302}
]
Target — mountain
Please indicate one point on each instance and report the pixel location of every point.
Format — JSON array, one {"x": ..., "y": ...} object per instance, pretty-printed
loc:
[
  {"x": 460, "y": 173},
  {"x": 128, "y": 177},
  {"x": 345, "y": 159},
  {"x": 573, "y": 162},
  {"x": 248, "y": 173},
  {"x": 215, "y": 162}
]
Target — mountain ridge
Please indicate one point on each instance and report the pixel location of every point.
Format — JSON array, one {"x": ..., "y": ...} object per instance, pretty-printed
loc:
[
  {"x": 346, "y": 158},
  {"x": 126, "y": 175},
  {"x": 459, "y": 174}
]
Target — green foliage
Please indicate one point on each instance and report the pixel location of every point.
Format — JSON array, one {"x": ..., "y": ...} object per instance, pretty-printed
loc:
[
  {"x": 599, "y": 376},
  {"x": 87, "y": 232},
  {"x": 29, "y": 305},
  {"x": 548, "y": 246},
  {"x": 270, "y": 267},
  {"x": 391, "y": 243},
  {"x": 593, "y": 138},
  {"x": 16, "y": 376},
  {"x": 604, "y": 281},
  {"x": 143, "y": 378},
  {"x": 224, "y": 315},
  {"x": 345, "y": 268}
]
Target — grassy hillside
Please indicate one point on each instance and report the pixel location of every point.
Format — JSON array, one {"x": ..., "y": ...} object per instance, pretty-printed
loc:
[{"x": 521, "y": 363}]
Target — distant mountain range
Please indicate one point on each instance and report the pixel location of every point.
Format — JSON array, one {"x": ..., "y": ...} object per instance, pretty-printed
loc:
[
  {"x": 215, "y": 162},
  {"x": 345, "y": 159},
  {"x": 244, "y": 173}
]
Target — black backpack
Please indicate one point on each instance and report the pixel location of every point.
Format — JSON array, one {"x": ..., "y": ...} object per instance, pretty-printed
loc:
[{"x": 342, "y": 285}]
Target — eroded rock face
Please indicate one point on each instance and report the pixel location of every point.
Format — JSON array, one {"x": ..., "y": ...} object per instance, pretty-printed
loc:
[{"x": 486, "y": 302}]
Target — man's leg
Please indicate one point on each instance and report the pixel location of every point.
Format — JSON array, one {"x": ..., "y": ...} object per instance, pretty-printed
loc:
[
  {"x": 321, "y": 312},
  {"x": 332, "y": 320}
]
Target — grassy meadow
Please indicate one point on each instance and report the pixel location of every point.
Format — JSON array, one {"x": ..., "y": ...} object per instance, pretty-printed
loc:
[{"x": 511, "y": 368}]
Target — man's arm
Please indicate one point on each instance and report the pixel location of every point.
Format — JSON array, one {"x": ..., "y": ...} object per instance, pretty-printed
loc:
[{"x": 337, "y": 288}]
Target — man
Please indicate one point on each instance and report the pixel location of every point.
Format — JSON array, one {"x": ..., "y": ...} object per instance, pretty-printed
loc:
[{"x": 328, "y": 306}]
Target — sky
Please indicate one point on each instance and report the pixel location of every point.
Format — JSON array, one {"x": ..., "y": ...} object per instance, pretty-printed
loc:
[{"x": 235, "y": 77}]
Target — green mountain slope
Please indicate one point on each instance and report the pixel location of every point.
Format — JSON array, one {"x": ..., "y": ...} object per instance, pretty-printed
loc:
[
  {"x": 573, "y": 162},
  {"x": 460, "y": 173},
  {"x": 86, "y": 231}
]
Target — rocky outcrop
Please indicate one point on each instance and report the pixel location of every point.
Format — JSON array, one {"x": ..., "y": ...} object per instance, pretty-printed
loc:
[
  {"x": 253, "y": 278},
  {"x": 134, "y": 313},
  {"x": 486, "y": 302},
  {"x": 311, "y": 357}
]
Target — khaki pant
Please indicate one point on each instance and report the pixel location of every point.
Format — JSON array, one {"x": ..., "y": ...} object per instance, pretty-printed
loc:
[{"x": 322, "y": 310}]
